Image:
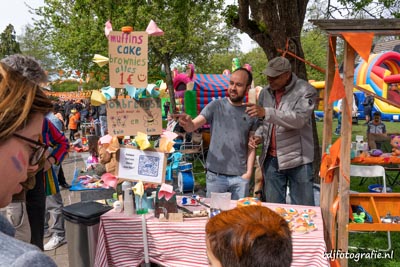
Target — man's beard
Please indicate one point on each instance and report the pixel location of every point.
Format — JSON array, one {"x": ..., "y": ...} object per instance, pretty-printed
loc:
[{"x": 237, "y": 99}]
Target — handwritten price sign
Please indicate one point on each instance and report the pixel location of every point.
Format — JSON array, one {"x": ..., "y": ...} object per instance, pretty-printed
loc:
[{"x": 128, "y": 54}]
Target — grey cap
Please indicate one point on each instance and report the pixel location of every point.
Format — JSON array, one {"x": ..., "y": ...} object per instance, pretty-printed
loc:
[{"x": 277, "y": 66}]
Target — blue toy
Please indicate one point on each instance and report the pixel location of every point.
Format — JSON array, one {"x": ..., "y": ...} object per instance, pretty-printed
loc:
[{"x": 174, "y": 159}]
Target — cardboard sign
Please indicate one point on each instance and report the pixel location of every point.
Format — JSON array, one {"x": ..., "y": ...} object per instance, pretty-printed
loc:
[
  {"x": 147, "y": 166},
  {"x": 128, "y": 55},
  {"x": 130, "y": 116}
]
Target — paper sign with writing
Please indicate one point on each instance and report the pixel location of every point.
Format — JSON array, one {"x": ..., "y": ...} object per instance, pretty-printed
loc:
[
  {"x": 128, "y": 55},
  {"x": 130, "y": 116},
  {"x": 147, "y": 166}
]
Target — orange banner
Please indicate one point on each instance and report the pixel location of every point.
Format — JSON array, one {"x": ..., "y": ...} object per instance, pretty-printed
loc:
[
  {"x": 69, "y": 95},
  {"x": 361, "y": 42},
  {"x": 337, "y": 91}
]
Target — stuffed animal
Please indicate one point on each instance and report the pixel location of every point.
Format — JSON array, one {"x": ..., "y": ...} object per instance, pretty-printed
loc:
[
  {"x": 395, "y": 143},
  {"x": 107, "y": 154},
  {"x": 359, "y": 217}
]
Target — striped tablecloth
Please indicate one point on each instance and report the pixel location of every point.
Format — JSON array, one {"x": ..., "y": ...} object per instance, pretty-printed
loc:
[{"x": 177, "y": 244}]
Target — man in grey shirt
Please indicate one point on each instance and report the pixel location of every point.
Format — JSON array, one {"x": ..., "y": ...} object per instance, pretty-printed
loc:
[{"x": 229, "y": 160}]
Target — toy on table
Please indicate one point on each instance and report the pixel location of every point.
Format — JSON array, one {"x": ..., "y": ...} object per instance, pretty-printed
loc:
[
  {"x": 395, "y": 143},
  {"x": 107, "y": 148},
  {"x": 375, "y": 152}
]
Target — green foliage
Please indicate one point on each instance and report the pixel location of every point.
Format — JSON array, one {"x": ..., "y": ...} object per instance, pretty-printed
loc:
[
  {"x": 75, "y": 29},
  {"x": 231, "y": 14},
  {"x": 34, "y": 45},
  {"x": 193, "y": 31},
  {"x": 72, "y": 85},
  {"x": 258, "y": 62},
  {"x": 8, "y": 42},
  {"x": 366, "y": 9},
  {"x": 314, "y": 46},
  {"x": 357, "y": 129},
  {"x": 65, "y": 86},
  {"x": 218, "y": 63}
]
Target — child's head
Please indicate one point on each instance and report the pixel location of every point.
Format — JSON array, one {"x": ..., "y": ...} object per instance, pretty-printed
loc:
[
  {"x": 77, "y": 135},
  {"x": 377, "y": 116}
]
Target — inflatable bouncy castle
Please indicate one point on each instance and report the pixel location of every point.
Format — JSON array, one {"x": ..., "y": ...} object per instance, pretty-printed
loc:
[{"x": 375, "y": 76}]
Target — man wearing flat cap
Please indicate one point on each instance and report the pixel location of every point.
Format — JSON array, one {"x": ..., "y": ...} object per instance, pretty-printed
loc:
[{"x": 285, "y": 108}]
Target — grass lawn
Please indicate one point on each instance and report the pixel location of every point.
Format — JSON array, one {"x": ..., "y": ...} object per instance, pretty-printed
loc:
[{"x": 357, "y": 129}]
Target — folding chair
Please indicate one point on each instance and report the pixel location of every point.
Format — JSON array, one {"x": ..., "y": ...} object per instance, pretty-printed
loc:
[
  {"x": 392, "y": 178},
  {"x": 371, "y": 172},
  {"x": 365, "y": 171},
  {"x": 194, "y": 149}
]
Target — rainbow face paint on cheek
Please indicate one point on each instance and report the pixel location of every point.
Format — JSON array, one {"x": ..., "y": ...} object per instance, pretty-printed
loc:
[{"x": 17, "y": 164}]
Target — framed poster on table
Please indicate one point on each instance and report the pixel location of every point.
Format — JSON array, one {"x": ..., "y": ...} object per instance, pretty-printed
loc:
[{"x": 147, "y": 166}]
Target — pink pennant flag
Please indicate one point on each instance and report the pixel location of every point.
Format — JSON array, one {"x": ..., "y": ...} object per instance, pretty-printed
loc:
[
  {"x": 152, "y": 29},
  {"x": 107, "y": 28},
  {"x": 169, "y": 135},
  {"x": 166, "y": 191},
  {"x": 109, "y": 180}
]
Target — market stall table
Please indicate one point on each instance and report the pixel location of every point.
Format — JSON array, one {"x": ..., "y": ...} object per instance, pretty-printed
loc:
[
  {"x": 384, "y": 159},
  {"x": 387, "y": 160},
  {"x": 183, "y": 243}
]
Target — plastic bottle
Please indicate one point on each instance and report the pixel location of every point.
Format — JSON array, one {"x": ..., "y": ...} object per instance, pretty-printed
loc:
[
  {"x": 128, "y": 198},
  {"x": 252, "y": 96}
]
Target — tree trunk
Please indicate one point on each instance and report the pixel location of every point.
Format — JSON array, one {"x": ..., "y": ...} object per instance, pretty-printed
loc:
[
  {"x": 171, "y": 91},
  {"x": 276, "y": 26}
]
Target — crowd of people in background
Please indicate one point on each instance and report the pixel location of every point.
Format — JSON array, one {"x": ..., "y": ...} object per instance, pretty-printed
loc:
[{"x": 80, "y": 115}]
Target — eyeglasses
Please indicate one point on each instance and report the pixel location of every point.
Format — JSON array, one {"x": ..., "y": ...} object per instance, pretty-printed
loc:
[{"x": 37, "y": 152}]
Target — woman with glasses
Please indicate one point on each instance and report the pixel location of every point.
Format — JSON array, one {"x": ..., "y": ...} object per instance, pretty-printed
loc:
[
  {"x": 22, "y": 108},
  {"x": 30, "y": 222}
]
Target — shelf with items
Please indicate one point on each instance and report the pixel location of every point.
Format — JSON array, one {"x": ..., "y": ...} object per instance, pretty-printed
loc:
[{"x": 378, "y": 206}]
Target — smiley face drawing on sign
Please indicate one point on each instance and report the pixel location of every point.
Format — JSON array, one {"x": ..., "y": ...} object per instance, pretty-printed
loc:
[{"x": 141, "y": 77}]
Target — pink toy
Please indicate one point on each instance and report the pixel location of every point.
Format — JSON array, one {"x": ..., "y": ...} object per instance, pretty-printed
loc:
[{"x": 395, "y": 143}]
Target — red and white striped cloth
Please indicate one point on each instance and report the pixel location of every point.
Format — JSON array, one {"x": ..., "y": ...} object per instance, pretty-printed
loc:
[{"x": 180, "y": 244}]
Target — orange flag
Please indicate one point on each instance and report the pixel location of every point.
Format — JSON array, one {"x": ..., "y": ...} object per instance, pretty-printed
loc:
[
  {"x": 361, "y": 42},
  {"x": 337, "y": 91}
]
